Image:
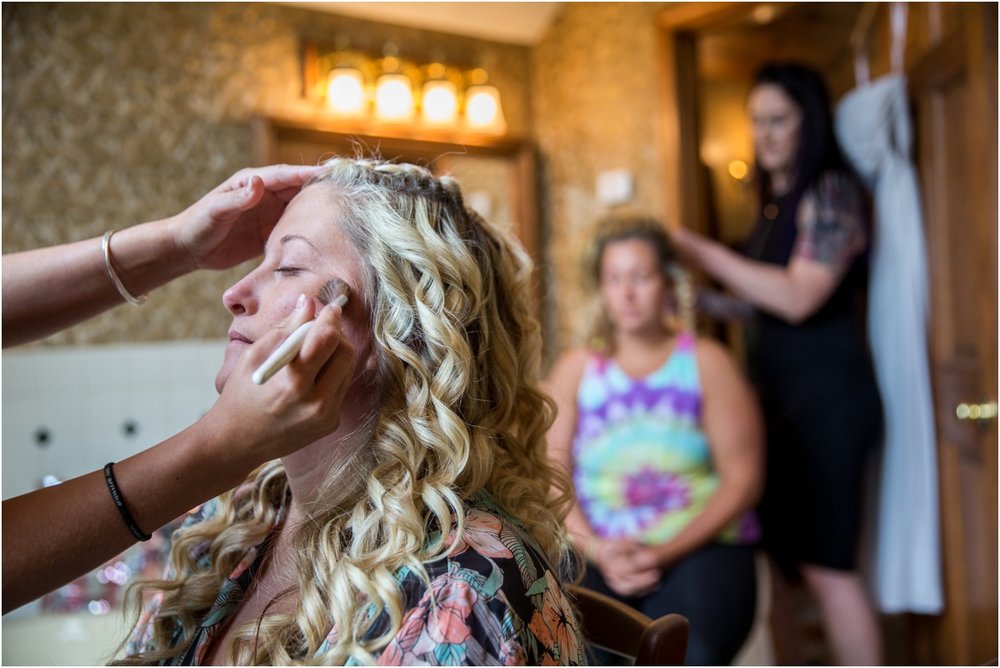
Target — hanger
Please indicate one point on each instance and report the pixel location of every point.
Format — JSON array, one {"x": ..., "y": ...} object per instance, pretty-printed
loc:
[
  {"x": 861, "y": 32},
  {"x": 897, "y": 26},
  {"x": 859, "y": 42}
]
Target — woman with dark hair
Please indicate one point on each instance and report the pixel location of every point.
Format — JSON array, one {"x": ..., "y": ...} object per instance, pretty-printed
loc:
[{"x": 803, "y": 272}]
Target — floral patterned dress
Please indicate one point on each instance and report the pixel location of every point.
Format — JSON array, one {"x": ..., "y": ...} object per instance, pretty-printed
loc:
[{"x": 494, "y": 600}]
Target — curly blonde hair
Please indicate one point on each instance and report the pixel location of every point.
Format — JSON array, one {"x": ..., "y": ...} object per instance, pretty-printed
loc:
[
  {"x": 627, "y": 225},
  {"x": 460, "y": 410}
]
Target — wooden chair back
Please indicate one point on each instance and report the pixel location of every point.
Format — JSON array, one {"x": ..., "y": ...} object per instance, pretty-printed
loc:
[{"x": 615, "y": 627}]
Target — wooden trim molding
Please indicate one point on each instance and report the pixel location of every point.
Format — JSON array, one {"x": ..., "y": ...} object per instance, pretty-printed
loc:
[{"x": 272, "y": 136}]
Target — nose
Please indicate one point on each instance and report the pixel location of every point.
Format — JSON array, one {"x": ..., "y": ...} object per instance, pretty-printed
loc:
[
  {"x": 239, "y": 297},
  {"x": 627, "y": 291}
]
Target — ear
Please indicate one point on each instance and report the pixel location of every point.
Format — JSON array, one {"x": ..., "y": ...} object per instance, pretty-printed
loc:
[{"x": 371, "y": 361}]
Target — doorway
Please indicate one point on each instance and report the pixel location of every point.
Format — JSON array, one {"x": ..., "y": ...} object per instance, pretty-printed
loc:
[{"x": 712, "y": 50}]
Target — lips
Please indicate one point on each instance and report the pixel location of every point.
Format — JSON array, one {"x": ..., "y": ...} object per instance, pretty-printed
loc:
[{"x": 236, "y": 336}]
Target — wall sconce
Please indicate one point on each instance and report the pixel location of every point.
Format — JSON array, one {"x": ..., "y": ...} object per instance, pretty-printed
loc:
[
  {"x": 483, "y": 111},
  {"x": 345, "y": 92},
  {"x": 394, "y": 99},
  {"x": 391, "y": 90},
  {"x": 439, "y": 98}
]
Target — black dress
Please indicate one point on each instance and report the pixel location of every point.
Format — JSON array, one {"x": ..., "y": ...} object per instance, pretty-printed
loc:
[{"x": 816, "y": 384}]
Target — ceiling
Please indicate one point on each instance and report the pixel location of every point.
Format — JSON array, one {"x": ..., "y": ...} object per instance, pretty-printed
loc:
[
  {"x": 733, "y": 37},
  {"x": 510, "y": 22},
  {"x": 817, "y": 34}
]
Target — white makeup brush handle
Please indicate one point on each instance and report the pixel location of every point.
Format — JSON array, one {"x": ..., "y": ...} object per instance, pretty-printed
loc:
[{"x": 283, "y": 354}]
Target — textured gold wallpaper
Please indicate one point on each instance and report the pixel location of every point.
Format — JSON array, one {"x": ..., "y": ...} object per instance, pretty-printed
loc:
[
  {"x": 595, "y": 108},
  {"x": 114, "y": 114}
]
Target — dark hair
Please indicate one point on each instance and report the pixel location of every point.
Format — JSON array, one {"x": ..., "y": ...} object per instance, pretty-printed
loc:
[
  {"x": 627, "y": 226},
  {"x": 818, "y": 148},
  {"x": 622, "y": 227}
]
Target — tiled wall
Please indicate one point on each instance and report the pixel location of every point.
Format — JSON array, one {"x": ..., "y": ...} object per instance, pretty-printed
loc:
[
  {"x": 68, "y": 411},
  {"x": 79, "y": 639}
]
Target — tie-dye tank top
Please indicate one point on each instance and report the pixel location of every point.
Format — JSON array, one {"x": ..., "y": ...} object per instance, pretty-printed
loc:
[{"x": 643, "y": 468}]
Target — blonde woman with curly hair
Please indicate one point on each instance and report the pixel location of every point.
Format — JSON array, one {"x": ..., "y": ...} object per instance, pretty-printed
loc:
[
  {"x": 664, "y": 440},
  {"x": 424, "y": 528}
]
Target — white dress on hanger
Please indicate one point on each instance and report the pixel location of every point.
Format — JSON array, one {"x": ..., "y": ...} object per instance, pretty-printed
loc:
[{"x": 874, "y": 130}]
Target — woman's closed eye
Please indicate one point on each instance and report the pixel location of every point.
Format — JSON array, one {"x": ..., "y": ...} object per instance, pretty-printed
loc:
[{"x": 288, "y": 270}]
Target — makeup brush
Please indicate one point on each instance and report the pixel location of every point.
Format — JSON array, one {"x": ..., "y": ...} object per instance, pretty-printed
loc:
[{"x": 334, "y": 291}]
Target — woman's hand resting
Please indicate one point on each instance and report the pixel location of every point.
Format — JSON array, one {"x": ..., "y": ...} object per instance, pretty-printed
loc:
[{"x": 629, "y": 568}]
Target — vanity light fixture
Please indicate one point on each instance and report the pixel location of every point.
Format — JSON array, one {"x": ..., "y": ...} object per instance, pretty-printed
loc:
[{"x": 390, "y": 90}]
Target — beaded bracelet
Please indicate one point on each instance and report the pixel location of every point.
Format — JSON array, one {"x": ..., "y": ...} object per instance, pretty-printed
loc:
[
  {"x": 109, "y": 477},
  {"x": 122, "y": 290}
]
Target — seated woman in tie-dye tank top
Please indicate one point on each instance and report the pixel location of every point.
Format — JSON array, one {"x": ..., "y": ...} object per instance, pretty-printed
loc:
[{"x": 664, "y": 440}]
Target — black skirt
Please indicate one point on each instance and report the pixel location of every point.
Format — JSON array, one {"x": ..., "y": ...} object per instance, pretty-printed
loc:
[{"x": 823, "y": 417}]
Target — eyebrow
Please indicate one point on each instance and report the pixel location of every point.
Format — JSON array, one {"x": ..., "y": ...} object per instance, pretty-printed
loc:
[{"x": 296, "y": 237}]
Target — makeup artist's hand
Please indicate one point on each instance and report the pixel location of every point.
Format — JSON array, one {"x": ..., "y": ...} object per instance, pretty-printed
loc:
[
  {"x": 58, "y": 533},
  {"x": 231, "y": 223},
  {"x": 688, "y": 244},
  {"x": 298, "y": 405}
]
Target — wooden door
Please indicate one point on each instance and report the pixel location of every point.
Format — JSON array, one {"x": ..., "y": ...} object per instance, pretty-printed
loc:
[{"x": 955, "y": 110}]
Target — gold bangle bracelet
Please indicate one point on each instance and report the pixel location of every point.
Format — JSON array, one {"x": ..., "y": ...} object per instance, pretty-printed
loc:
[{"x": 122, "y": 290}]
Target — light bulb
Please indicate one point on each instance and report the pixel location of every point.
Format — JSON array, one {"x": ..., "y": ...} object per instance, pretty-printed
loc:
[
  {"x": 439, "y": 102},
  {"x": 394, "y": 98},
  {"x": 738, "y": 170},
  {"x": 345, "y": 93},
  {"x": 483, "y": 111}
]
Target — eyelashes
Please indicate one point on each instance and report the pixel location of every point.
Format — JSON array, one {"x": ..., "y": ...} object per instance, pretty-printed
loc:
[{"x": 288, "y": 271}]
